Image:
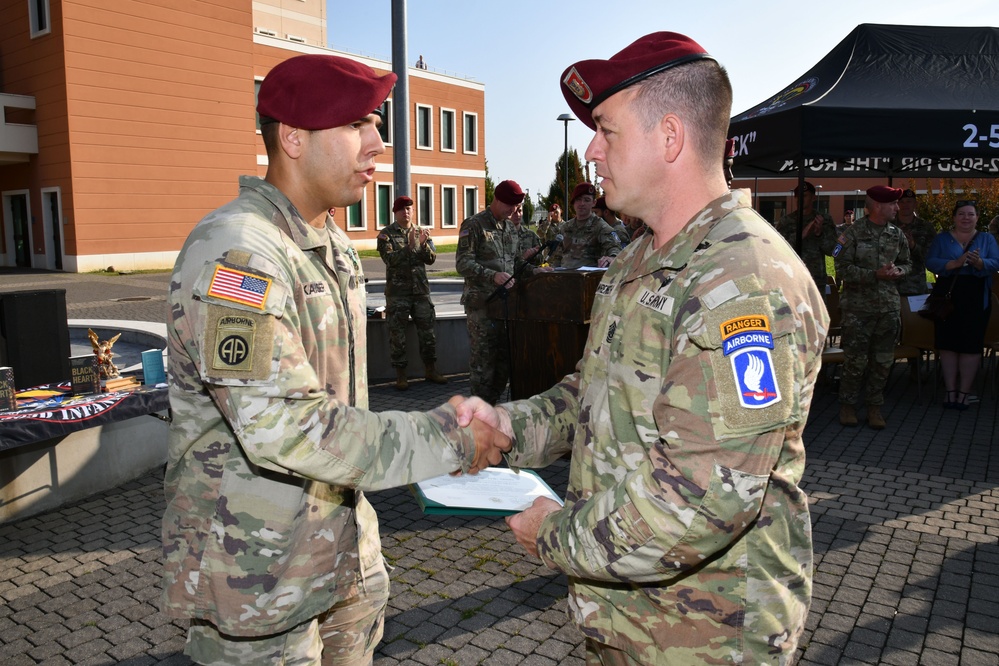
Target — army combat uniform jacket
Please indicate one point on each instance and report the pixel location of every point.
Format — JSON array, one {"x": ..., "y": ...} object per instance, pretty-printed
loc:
[
  {"x": 405, "y": 269},
  {"x": 486, "y": 246},
  {"x": 685, "y": 534},
  {"x": 271, "y": 446},
  {"x": 814, "y": 249},
  {"x": 584, "y": 242},
  {"x": 860, "y": 251},
  {"x": 922, "y": 233}
]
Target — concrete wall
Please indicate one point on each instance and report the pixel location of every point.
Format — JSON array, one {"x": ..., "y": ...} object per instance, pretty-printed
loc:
[{"x": 452, "y": 348}]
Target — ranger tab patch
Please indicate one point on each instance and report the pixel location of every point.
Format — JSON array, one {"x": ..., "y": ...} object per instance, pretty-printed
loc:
[
  {"x": 238, "y": 286},
  {"x": 747, "y": 341}
]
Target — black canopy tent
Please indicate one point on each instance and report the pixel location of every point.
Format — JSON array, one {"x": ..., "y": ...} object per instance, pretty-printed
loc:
[{"x": 887, "y": 101}]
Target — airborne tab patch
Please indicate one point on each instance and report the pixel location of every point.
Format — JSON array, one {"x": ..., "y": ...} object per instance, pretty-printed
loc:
[
  {"x": 238, "y": 286},
  {"x": 747, "y": 341}
]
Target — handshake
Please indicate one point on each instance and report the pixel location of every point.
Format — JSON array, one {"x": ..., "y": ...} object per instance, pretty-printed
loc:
[{"x": 491, "y": 430}]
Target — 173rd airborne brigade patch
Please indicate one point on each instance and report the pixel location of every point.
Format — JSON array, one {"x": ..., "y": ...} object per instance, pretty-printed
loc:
[{"x": 747, "y": 342}]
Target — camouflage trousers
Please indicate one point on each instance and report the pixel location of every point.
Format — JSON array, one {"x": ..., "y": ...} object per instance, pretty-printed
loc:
[
  {"x": 398, "y": 310},
  {"x": 345, "y": 635},
  {"x": 868, "y": 345},
  {"x": 489, "y": 355},
  {"x": 599, "y": 654}
]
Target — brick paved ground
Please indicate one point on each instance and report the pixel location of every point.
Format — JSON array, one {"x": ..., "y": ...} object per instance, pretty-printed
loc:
[{"x": 906, "y": 524}]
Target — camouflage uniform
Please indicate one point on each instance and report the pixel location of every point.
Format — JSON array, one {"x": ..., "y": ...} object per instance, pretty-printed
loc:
[
  {"x": 621, "y": 231},
  {"x": 526, "y": 239},
  {"x": 547, "y": 230},
  {"x": 922, "y": 233},
  {"x": 870, "y": 306},
  {"x": 407, "y": 292},
  {"x": 271, "y": 446},
  {"x": 685, "y": 535},
  {"x": 814, "y": 249},
  {"x": 486, "y": 246},
  {"x": 584, "y": 242}
]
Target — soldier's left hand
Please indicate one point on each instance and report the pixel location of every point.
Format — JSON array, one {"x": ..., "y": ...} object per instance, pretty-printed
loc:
[
  {"x": 525, "y": 525},
  {"x": 424, "y": 235}
]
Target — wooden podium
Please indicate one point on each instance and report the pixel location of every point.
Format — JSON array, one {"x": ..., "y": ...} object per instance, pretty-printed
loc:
[{"x": 548, "y": 319}]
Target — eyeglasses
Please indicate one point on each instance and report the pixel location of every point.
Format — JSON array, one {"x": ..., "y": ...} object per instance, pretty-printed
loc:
[{"x": 966, "y": 202}]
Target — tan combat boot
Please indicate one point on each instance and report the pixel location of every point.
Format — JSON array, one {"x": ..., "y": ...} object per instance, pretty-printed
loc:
[
  {"x": 847, "y": 415},
  {"x": 433, "y": 376},
  {"x": 874, "y": 418},
  {"x": 401, "y": 382}
]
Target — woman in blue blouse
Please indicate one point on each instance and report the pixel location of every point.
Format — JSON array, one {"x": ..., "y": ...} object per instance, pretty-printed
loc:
[{"x": 966, "y": 259}]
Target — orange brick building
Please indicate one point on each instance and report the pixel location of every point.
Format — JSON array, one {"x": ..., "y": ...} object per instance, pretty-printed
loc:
[{"x": 122, "y": 123}]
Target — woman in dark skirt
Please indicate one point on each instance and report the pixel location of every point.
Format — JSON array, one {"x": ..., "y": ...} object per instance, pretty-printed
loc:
[{"x": 963, "y": 260}]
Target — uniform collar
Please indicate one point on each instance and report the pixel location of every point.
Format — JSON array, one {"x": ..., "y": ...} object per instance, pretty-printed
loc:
[{"x": 286, "y": 217}]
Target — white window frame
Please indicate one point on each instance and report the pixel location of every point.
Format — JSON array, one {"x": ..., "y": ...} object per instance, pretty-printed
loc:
[
  {"x": 422, "y": 189},
  {"x": 474, "y": 190},
  {"x": 430, "y": 128},
  {"x": 387, "y": 123},
  {"x": 454, "y": 131},
  {"x": 464, "y": 131},
  {"x": 33, "y": 7},
  {"x": 363, "y": 213},
  {"x": 454, "y": 212},
  {"x": 53, "y": 253},
  {"x": 378, "y": 204}
]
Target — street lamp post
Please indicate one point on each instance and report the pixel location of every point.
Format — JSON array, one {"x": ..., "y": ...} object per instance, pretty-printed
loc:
[{"x": 565, "y": 118}]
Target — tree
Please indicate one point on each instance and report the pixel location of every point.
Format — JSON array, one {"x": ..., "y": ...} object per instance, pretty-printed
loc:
[
  {"x": 556, "y": 193},
  {"x": 489, "y": 185},
  {"x": 528, "y": 210},
  {"x": 937, "y": 206}
]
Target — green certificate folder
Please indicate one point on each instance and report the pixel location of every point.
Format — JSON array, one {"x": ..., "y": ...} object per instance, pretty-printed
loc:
[{"x": 493, "y": 492}]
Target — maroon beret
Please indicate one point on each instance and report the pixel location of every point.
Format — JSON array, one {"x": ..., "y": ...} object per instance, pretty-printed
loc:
[
  {"x": 553, "y": 208},
  {"x": 908, "y": 194},
  {"x": 600, "y": 203},
  {"x": 808, "y": 188},
  {"x": 509, "y": 192},
  {"x": 729, "y": 148},
  {"x": 317, "y": 92},
  {"x": 583, "y": 189},
  {"x": 884, "y": 194},
  {"x": 589, "y": 82},
  {"x": 400, "y": 203}
]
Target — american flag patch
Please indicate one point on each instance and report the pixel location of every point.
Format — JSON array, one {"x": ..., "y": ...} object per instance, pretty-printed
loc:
[{"x": 239, "y": 287}]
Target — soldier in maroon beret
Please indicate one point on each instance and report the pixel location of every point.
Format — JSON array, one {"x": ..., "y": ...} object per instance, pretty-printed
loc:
[
  {"x": 685, "y": 534},
  {"x": 587, "y": 239},
  {"x": 872, "y": 256},
  {"x": 271, "y": 549}
]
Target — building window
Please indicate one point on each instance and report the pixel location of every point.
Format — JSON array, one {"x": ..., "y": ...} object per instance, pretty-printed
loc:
[
  {"x": 425, "y": 205},
  {"x": 256, "y": 97},
  {"x": 384, "y": 204},
  {"x": 38, "y": 14},
  {"x": 448, "y": 130},
  {"x": 386, "y": 128},
  {"x": 471, "y": 136},
  {"x": 449, "y": 206},
  {"x": 355, "y": 216},
  {"x": 424, "y": 127},
  {"x": 471, "y": 201}
]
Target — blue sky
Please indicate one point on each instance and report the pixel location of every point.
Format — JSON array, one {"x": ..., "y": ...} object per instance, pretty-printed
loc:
[{"x": 518, "y": 49}]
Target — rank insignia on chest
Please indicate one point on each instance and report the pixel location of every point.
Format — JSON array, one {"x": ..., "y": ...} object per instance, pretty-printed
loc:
[
  {"x": 747, "y": 342},
  {"x": 238, "y": 286}
]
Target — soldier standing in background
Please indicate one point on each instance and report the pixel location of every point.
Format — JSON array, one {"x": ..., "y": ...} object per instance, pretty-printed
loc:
[
  {"x": 487, "y": 258},
  {"x": 685, "y": 535},
  {"x": 588, "y": 240},
  {"x": 871, "y": 256},
  {"x": 919, "y": 235},
  {"x": 407, "y": 251},
  {"x": 818, "y": 235},
  {"x": 608, "y": 216},
  {"x": 548, "y": 228},
  {"x": 270, "y": 547}
]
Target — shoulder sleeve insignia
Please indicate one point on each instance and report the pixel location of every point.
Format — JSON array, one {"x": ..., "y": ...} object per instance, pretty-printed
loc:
[
  {"x": 230, "y": 284},
  {"x": 747, "y": 342},
  {"x": 383, "y": 236}
]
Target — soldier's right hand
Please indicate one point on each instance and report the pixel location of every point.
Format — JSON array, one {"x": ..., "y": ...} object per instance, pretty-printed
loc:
[
  {"x": 486, "y": 424},
  {"x": 503, "y": 278}
]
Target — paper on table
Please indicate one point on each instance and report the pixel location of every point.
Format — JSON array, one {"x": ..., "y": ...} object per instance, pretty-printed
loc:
[
  {"x": 496, "y": 488},
  {"x": 916, "y": 302}
]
